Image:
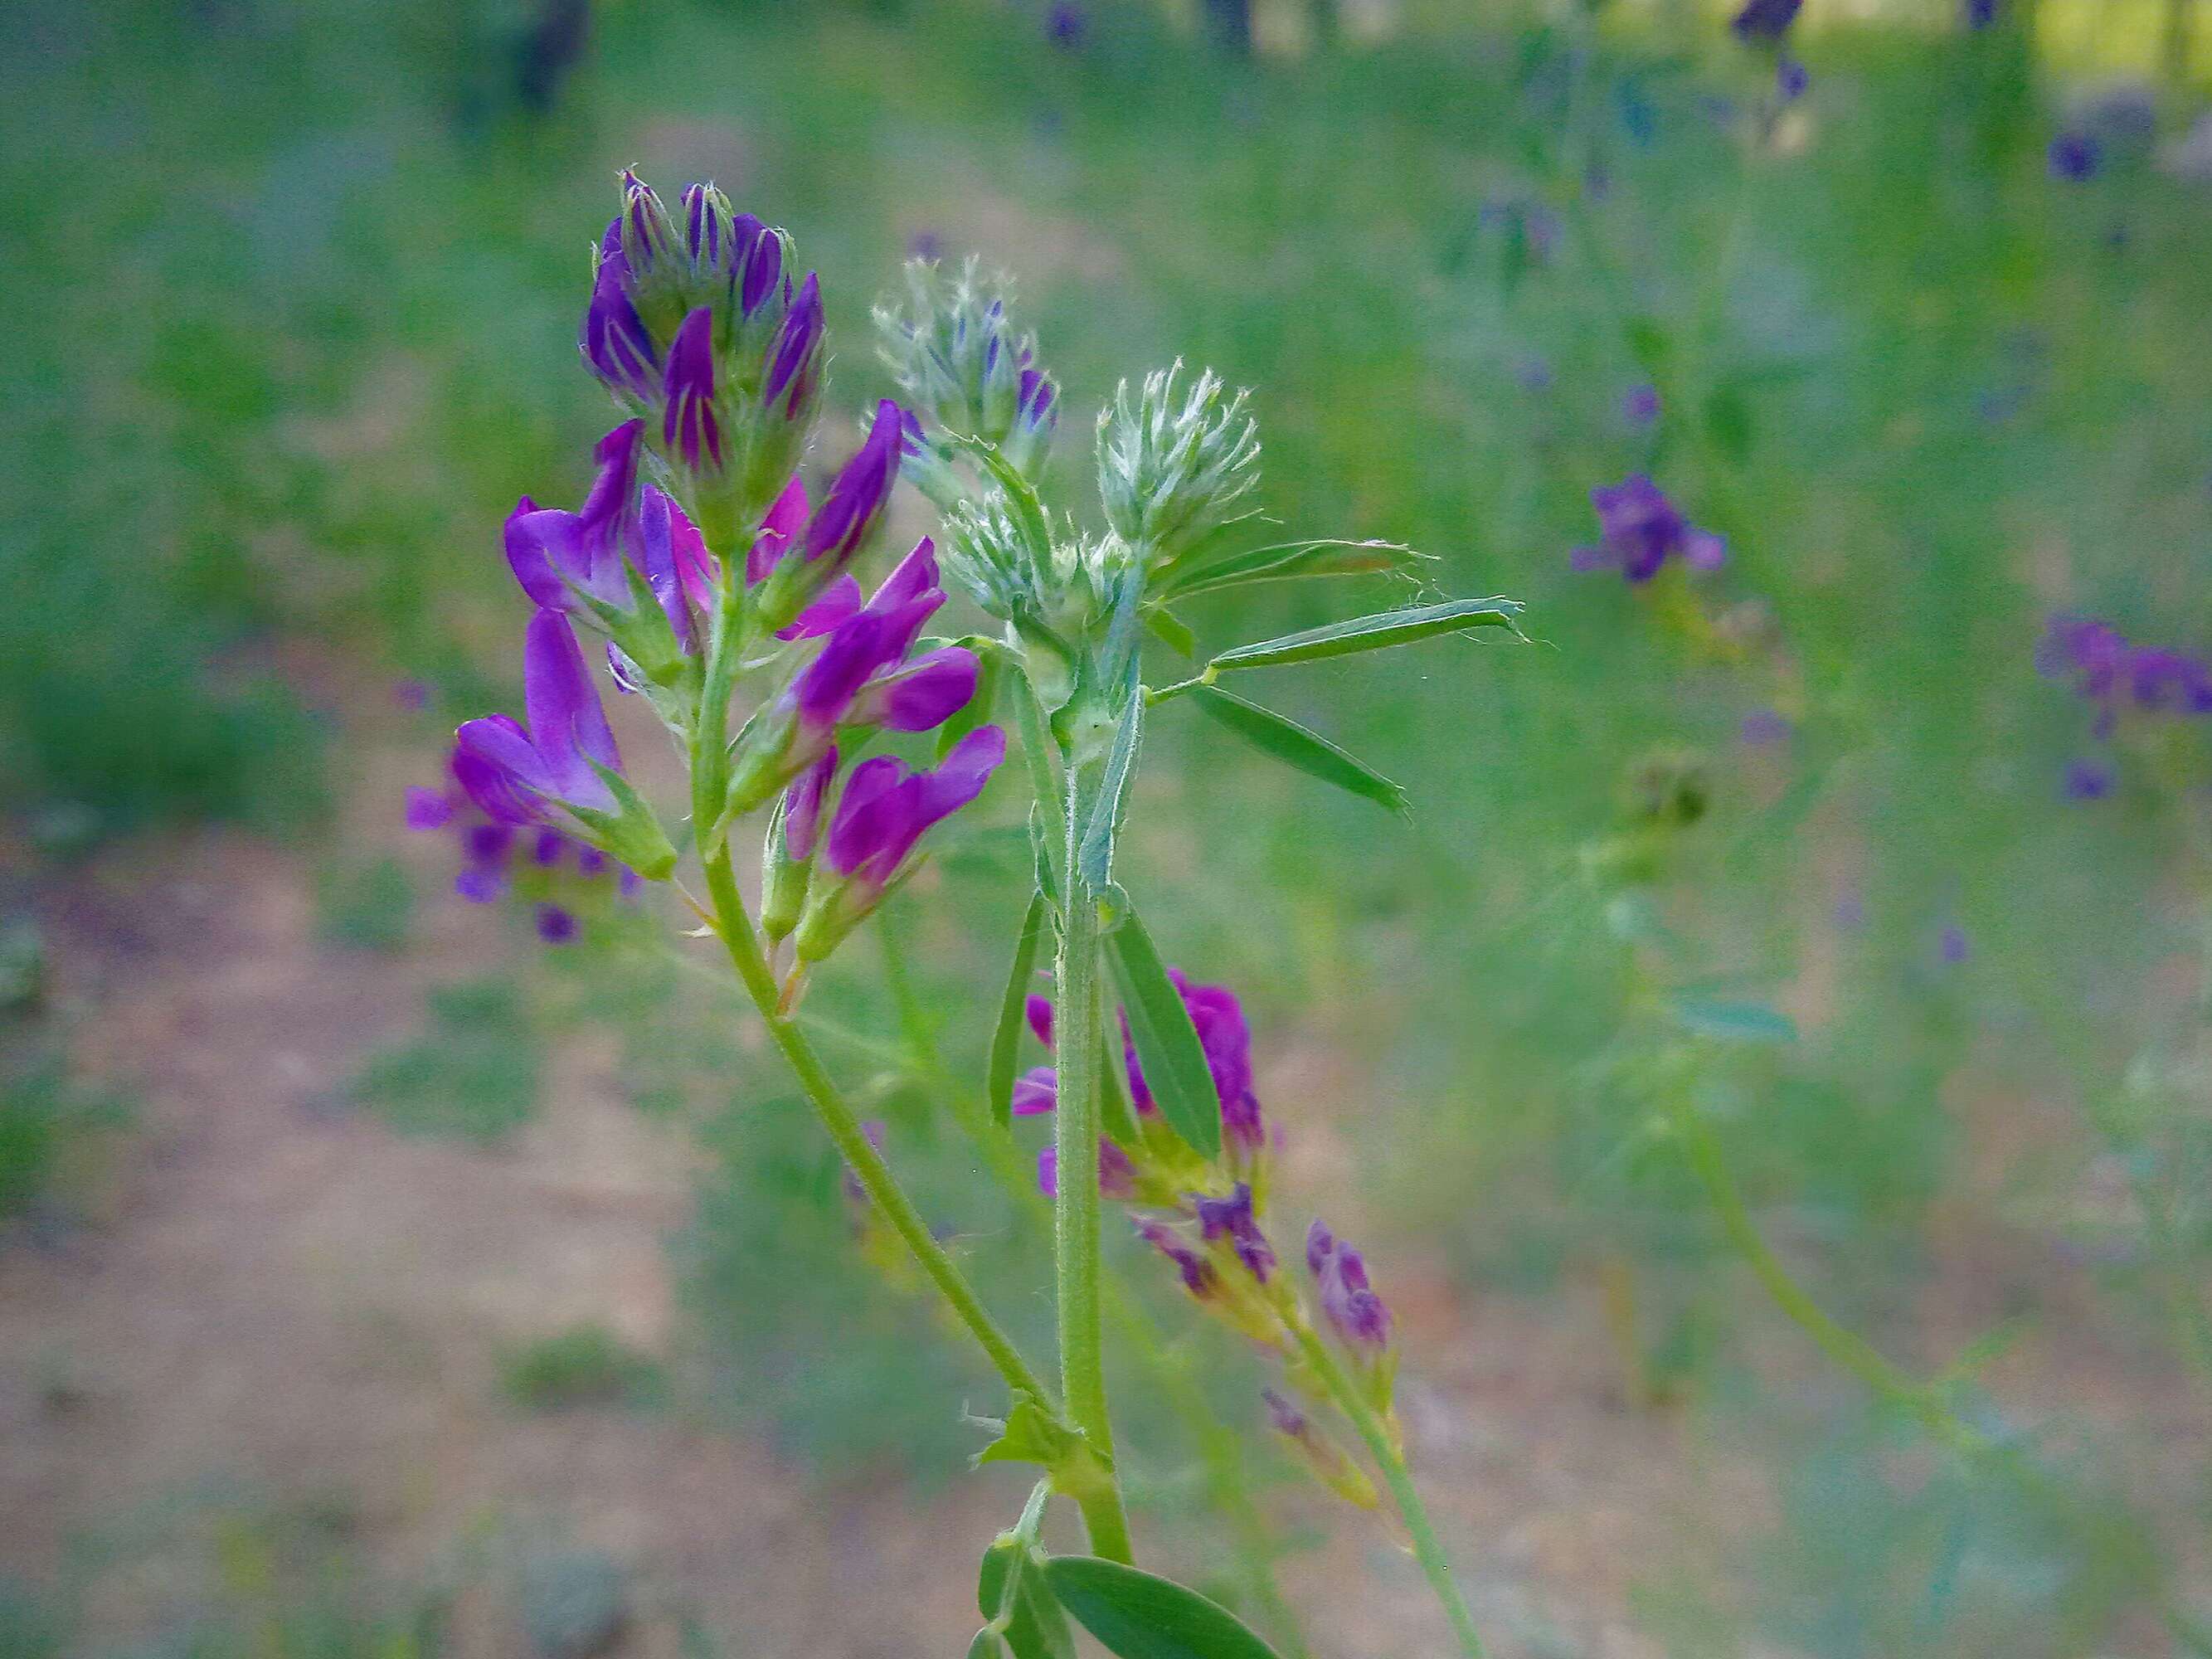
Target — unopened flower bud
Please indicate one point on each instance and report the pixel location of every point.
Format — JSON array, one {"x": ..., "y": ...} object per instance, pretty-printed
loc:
[
  {"x": 1176, "y": 465},
  {"x": 1319, "y": 1452},
  {"x": 962, "y": 368},
  {"x": 787, "y": 859}
]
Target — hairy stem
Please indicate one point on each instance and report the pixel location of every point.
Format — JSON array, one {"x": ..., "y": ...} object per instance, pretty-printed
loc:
[
  {"x": 1391, "y": 1460},
  {"x": 1075, "y": 1208},
  {"x": 736, "y": 927}
]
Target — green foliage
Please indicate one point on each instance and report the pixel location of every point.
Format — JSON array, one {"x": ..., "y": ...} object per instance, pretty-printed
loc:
[
  {"x": 585, "y": 1365},
  {"x": 473, "y": 1075},
  {"x": 1139, "y": 1615}
]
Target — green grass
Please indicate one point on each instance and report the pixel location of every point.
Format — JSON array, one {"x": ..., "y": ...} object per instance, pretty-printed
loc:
[{"x": 473, "y": 1075}]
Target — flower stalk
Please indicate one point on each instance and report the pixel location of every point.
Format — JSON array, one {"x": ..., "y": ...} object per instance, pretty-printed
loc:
[
  {"x": 1384, "y": 1445},
  {"x": 842, "y": 1124}
]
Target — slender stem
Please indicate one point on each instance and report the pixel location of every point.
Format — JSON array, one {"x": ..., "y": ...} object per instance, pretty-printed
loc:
[
  {"x": 1383, "y": 1446},
  {"x": 1846, "y": 1348},
  {"x": 843, "y": 1125},
  {"x": 1075, "y": 1208},
  {"x": 1218, "y": 1443}
]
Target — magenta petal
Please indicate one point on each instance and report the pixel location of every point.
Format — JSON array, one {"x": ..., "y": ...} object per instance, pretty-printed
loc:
[
  {"x": 1039, "y": 1010},
  {"x": 428, "y": 809},
  {"x": 802, "y": 812},
  {"x": 921, "y": 694},
  {"x": 1036, "y": 1092},
  {"x": 839, "y": 604},
  {"x": 567, "y": 725},
  {"x": 784, "y": 519},
  {"x": 497, "y": 767}
]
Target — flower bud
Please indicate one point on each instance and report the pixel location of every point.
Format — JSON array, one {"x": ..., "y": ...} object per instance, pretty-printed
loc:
[
  {"x": 963, "y": 368},
  {"x": 1174, "y": 467},
  {"x": 843, "y": 526},
  {"x": 788, "y": 859},
  {"x": 1319, "y": 1452}
]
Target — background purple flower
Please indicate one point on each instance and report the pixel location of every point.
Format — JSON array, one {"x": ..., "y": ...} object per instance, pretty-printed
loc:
[{"x": 1642, "y": 530}]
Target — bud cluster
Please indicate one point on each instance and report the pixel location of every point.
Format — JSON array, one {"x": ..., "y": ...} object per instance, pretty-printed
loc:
[
  {"x": 694, "y": 324},
  {"x": 1205, "y": 1218},
  {"x": 965, "y": 374},
  {"x": 1175, "y": 464}
]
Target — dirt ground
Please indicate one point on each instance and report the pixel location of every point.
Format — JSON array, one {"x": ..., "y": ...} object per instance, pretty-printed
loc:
[{"x": 278, "y": 1300}]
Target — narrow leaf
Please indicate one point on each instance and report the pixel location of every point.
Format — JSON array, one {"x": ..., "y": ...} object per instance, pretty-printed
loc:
[
  {"x": 1168, "y": 1048},
  {"x": 1374, "y": 632},
  {"x": 1138, "y": 1616},
  {"x": 1006, "y": 1037},
  {"x": 1306, "y": 752},
  {"x": 987, "y": 1644},
  {"x": 1036, "y": 1627},
  {"x": 1288, "y": 560},
  {"x": 1733, "y": 1022},
  {"x": 1094, "y": 856}
]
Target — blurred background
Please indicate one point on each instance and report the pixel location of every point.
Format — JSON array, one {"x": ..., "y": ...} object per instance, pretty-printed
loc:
[{"x": 380, "y": 1280}]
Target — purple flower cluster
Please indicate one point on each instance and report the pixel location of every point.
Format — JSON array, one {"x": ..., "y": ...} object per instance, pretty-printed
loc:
[
  {"x": 1211, "y": 1230},
  {"x": 2075, "y": 157},
  {"x": 560, "y": 876},
  {"x": 1640, "y": 530},
  {"x": 1222, "y": 1033},
  {"x": 1765, "y": 20},
  {"x": 2118, "y": 679}
]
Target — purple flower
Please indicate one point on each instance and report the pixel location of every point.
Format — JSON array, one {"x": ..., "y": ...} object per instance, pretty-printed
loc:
[
  {"x": 1791, "y": 80},
  {"x": 1285, "y": 1417},
  {"x": 555, "y": 924},
  {"x": 558, "y": 556},
  {"x": 1980, "y": 14},
  {"x": 885, "y": 810},
  {"x": 428, "y": 809},
  {"x": 1640, "y": 407},
  {"x": 758, "y": 251},
  {"x": 791, "y": 359},
  {"x": 410, "y": 694},
  {"x": 1065, "y": 26},
  {"x": 1222, "y": 1034},
  {"x": 1199, "y": 1275},
  {"x": 1765, "y": 20},
  {"x": 2088, "y": 780},
  {"x": 518, "y": 775},
  {"x": 1232, "y": 1217},
  {"x": 1117, "y": 1177},
  {"x": 2075, "y": 157},
  {"x": 840, "y": 527},
  {"x": 882, "y": 812},
  {"x": 860, "y": 678},
  {"x": 2107, "y": 672},
  {"x": 1763, "y": 726},
  {"x": 618, "y": 347},
  {"x": 648, "y": 239},
  {"x": 688, "y": 423},
  {"x": 1362, "y": 1323},
  {"x": 1951, "y": 944},
  {"x": 1642, "y": 530}
]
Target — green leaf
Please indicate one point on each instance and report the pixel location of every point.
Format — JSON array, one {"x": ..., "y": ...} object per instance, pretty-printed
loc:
[
  {"x": 987, "y": 1644},
  {"x": 1172, "y": 631},
  {"x": 1094, "y": 856},
  {"x": 1168, "y": 1048},
  {"x": 1138, "y": 1616},
  {"x": 1733, "y": 1021},
  {"x": 1035, "y": 1626},
  {"x": 1288, "y": 560},
  {"x": 1306, "y": 752},
  {"x": 1006, "y": 1037},
  {"x": 1374, "y": 632}
]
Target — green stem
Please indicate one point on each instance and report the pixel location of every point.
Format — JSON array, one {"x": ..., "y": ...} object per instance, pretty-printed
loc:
[
  {"x": 837, "y": 1117},
  {"x": 1219, "y": 1445},
  {"x": 1383, "y": 1446},
  {"x": 1075, "y": 1209},
  {"x": 1846, "y": 1348}
]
